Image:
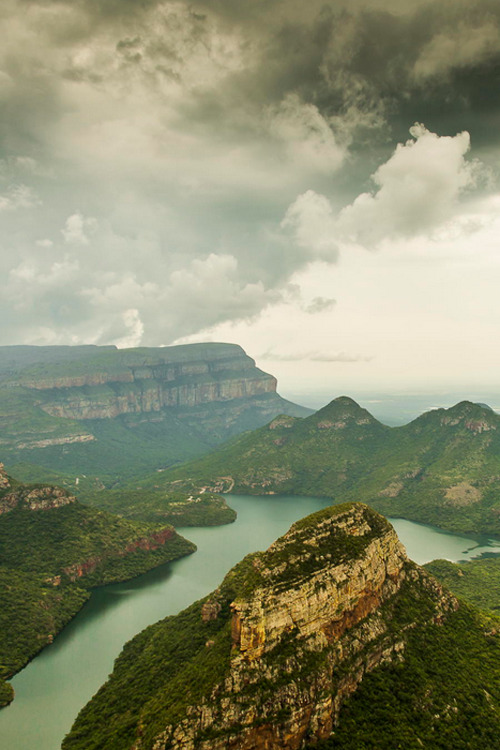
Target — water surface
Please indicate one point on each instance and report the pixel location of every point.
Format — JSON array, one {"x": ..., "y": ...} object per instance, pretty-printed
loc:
[{"x": 51, "y": 690}]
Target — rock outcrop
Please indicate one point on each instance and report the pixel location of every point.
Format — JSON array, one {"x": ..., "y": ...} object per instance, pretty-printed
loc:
[
  {"x": 149, "y": 380},
  {"x": 35, "y": 498},
  {"x": 289, "y": 634},
  {"x": 64, "y": 403}
]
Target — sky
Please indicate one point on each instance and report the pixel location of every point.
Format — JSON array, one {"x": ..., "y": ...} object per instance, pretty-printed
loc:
[{"x": 318, "y": 182}]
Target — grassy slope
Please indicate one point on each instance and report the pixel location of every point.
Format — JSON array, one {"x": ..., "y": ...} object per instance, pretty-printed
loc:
[
  {"x": 35, "y": 549},
  {"x": 443, "y": 468}
]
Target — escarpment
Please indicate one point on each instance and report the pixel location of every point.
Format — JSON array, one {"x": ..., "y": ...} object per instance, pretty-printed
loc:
[
  {"x": 162, "y": 404},
  {"x": 267, "y": 660}
]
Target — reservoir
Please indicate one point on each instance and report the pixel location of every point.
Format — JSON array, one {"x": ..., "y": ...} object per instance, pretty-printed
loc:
[{"x": 53, "y": 687}]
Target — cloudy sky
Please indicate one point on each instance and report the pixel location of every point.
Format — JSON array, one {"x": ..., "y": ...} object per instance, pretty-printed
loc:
[{"x": 316, "y": 181}]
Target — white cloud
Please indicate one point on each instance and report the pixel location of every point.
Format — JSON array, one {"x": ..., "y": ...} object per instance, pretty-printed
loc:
[
  {"x": 306, "y": 135},
  {"x": 311, "y": 223},
  {"x": 320, "y": 304},
  {"x": 74, "y": 231},
  {"x": 456, "y": 48},
  {"x": 135, "y": 329},
  {"x": 313, "y": 356},
  {"x": 417, "y": 189},
  {"x": 210, "y": 290},
  {"x": 18, "y": 196}
]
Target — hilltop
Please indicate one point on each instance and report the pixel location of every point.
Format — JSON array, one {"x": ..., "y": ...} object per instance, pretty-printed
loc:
[
  {"x": 271, "y": 657},
  {"x": 53, "y": 550},
  {"x": 443, "y": 468}
]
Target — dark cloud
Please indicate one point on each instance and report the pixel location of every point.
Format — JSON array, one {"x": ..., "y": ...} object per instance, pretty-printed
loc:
[{"x": 184, "y": 134}]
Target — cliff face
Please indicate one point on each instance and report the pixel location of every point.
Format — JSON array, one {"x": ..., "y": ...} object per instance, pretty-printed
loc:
[
  {"x": 330, "y": 618},
  {"x": 144, "y": 407},
  {"x": 289, "y": 634},
  {"x": 149, "y": 381}
]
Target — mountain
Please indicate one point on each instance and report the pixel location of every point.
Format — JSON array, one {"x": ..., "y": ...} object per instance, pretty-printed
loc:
[
  {"x": 53, "y": 550},
  {"x": 269, "y": 659},
  {"x": 89, "y": 410},
  {"x": 443, "y": 468}
]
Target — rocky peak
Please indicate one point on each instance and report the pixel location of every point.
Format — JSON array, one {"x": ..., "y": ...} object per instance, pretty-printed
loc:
[
  {"x": 275, "y": 650},
  {"x": 340, "y": 413},
  {"x": 35, "y": 498},
  {"x": 475, "y": 418}
]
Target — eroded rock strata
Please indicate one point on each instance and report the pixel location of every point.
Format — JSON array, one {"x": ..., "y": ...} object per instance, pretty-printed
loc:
[{"x": 270, "y": 656}]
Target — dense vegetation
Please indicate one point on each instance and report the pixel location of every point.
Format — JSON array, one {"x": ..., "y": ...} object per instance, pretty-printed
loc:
[
  {"x": 50, "y": 558},
  {"x": 443, "y": 468},
  {"x": 445, "y": 694},
  {"x": 476, "y": 581}
]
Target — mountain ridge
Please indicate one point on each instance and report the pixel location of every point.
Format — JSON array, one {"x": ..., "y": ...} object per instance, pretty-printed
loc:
[
  {"x": 53, "y": 550},
  {"x": 443, "y": 468}
]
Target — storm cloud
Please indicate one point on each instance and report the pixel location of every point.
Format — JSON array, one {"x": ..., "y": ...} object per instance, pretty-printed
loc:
[{"x": 167, "y": 167}]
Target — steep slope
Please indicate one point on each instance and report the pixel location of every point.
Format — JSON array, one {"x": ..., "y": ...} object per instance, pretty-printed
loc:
[
  {"x": 443, "y": 468},
  {"x": 267, "y": 659},
  {"x": 108, "y": 411},
  {"x": 52, "y": 551},
  {"x": 476, "y": 581}
]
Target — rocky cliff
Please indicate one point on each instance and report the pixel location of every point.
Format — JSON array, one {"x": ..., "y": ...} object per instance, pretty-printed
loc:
[
  {"x": 146, "y": 380},
  {"x": 267, "y": 660},
  {"x": 150, "y": 406}
]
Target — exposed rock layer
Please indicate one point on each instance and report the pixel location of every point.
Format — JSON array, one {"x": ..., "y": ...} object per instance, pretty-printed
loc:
[
  {"x": 333, "y": 615},
  {"x": 288, "y": 635},
  {"x": 152, "y": 382}
]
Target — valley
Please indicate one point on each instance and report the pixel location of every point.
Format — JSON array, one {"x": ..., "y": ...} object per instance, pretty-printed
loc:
[
  {"x": 151, "y": 441},
  {"x": 443, "y": 468},
  {"x": 114, "y": 614}
]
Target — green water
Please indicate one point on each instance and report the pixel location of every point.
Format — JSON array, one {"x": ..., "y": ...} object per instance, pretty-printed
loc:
[{"x": 51, "y": 690}]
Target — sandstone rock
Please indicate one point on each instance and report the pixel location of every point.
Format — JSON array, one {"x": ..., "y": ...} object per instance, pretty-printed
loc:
[{"x": 312, "y": 619}]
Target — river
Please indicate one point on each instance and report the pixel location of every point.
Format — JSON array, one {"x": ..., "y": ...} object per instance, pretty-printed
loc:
[{"x": 54, "y": 686}]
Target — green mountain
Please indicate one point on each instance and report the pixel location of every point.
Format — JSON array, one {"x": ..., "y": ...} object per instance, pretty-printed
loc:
[
  {"x": 89, "y": 411},
  {"x": 443, "y": 468},
  {"x": 53, "y": 550},
  {"x": 332, "y": 629}
]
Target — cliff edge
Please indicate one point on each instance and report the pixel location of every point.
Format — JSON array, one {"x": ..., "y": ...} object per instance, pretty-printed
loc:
[{"x": 266, "y": 660}]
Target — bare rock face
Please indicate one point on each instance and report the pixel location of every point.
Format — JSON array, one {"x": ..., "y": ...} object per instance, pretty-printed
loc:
[
  {"x": 141, "y": 384},
  {"x": 313, "y": 615},
  {"x": 35, "y": 498}
]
